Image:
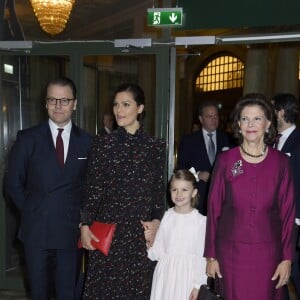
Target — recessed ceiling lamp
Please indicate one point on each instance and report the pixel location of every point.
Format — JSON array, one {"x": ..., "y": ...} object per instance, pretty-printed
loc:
[{"x": 52, "y": 14}]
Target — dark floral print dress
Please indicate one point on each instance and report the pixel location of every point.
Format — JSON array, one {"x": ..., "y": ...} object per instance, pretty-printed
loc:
[{"x": 125, "y": 184}]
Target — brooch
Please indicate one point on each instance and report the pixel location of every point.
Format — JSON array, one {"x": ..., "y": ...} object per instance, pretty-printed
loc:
[{"x": 237, "y": 168}]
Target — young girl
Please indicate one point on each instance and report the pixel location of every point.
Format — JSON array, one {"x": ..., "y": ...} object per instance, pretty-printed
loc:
[{"x": 179, "y": 244}]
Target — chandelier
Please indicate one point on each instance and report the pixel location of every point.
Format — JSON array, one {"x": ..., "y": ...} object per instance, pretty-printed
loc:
[{"x": 52, "y": 14}]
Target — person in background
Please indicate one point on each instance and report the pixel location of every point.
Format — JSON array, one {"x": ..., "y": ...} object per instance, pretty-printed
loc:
[
  {"x": 179, "y": 244},
  {"x": 196, "y": 126},
  {"x": 288, "y": 141},
  {"x": 249, "y": 241},
  {"x": 125, "y": 186},
  {"x": 108, "y": 124},
  {"x": 44, "y": 179},
  {"x": 200, "y": 148}
]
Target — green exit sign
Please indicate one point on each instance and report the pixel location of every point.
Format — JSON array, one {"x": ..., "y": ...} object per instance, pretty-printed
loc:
[{"x": 165, "y": 16}]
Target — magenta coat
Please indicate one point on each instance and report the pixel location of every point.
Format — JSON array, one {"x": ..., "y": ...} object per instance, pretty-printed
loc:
[{"x": 251, "y": 214}]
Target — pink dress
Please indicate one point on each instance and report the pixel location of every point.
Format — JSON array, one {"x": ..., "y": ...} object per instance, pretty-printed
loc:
[{"x": 251, "y": 214}]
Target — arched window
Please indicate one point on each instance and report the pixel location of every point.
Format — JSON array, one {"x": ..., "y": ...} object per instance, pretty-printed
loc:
[{"x": 221, "y": 73}]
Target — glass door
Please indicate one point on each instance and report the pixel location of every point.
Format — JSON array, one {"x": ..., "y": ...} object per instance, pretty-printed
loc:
[
  {"x": 23, "y": 79},
  {"x": 22, "y": 105}
]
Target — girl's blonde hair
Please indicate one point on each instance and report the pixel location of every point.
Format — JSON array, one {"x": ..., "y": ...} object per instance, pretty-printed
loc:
[{"x": 186, "y": 175}]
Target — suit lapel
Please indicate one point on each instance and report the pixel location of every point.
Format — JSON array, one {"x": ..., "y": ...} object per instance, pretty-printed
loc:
[
  {"x": 48, "y": 154},
  {"x": 220, "y": 141},
  {"x": 203, "y": 146},
  {"x": 291, "y": 140},
  {"x": 72, "y": 146},
  {"x": 48, "y": 145}
]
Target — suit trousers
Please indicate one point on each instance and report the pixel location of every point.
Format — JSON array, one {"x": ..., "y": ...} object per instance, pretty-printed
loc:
[
  {"x": 295, "y": 274},
  {"x": 52, "y": 271}
]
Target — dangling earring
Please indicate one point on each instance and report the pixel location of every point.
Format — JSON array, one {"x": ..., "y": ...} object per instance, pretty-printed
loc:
[
  {"x": 240, "y": 131},
  {"x": 267, "y": 130}
]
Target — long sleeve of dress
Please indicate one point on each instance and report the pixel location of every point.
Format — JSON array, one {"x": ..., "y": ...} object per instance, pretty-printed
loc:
[
  {"x": 287, "y": 213},
  {"x": 199, "y": 274},
  {"x": 215, "y": 199},
  {"x": 157, "y": 250},
  {"x": 158, "y": 179},
  {"x": 199, "y": 271}
]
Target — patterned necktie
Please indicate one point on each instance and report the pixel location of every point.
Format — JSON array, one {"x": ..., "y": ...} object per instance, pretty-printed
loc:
[
  {"x": 60, "y": 147},
  {"x": 211, "y": 149},
  {"x": 278, "y": 136}
]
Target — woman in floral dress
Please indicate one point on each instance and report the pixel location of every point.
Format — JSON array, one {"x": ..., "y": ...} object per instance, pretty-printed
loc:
[{"x": 125, "y": 186}]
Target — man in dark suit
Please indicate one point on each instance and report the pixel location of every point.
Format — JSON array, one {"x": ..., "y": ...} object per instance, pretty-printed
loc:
[
  {"x": 200, "y": 148},
  {"x": 108, "y": 123},
  {"x": 287, "y": 110},
  {"x": 45, "y": 178}
]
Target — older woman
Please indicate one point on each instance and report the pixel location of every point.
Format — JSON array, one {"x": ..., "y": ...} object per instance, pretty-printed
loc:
[{"x": 251, "y": 212}]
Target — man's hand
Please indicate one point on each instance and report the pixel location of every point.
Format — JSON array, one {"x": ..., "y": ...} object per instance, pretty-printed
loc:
[{"x": 204, "y": 176}]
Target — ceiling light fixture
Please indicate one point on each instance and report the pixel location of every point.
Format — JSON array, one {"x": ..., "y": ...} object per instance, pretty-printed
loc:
[
  {"x": 254, "y": 39},
  {"x": 52, "y": 14}
]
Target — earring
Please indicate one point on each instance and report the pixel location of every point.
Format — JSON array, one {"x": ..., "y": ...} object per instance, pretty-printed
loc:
[
  {"x": 267, "y": 130},
  {"x": 240, "y": 131}
]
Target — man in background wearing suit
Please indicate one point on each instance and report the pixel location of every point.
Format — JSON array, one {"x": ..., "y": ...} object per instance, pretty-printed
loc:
[
  {"x": 108, "y": 123},
  {"x": 45, "y": 178},
  {"x": 288, "y": 141},
  {"x": 200, "y": 148}
]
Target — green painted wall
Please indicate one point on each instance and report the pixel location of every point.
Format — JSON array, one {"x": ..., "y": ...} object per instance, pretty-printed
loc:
[{"x": 239, "y": 13}]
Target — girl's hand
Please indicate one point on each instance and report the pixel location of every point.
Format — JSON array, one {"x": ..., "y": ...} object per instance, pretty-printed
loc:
[
  {"x": 213, "y": 268},
  {"x": 194, "y": 294},
  {"x": 150, "y": 229},
  {"x": 86, "y": 236},
  {"x": 283, "y": 272}
]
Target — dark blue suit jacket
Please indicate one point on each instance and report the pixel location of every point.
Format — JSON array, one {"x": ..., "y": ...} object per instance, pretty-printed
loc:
[
  {"x": 292, "y": 148},
  {"x": 192, "y": 153},
  {"x": 47, "y": 196}
]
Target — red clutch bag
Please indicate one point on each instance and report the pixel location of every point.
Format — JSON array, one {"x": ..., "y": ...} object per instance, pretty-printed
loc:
[{"x": 104, "y": 233}]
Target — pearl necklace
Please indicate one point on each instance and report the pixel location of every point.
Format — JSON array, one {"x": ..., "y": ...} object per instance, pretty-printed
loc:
[{"x": 254, "y": 156}]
